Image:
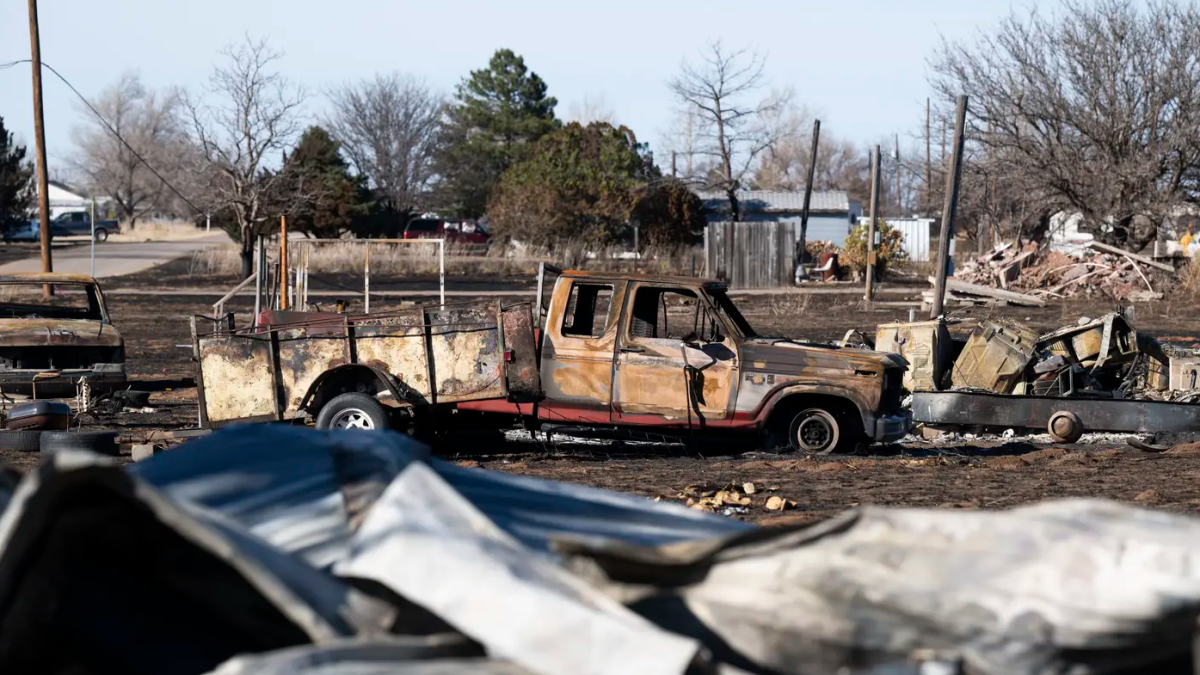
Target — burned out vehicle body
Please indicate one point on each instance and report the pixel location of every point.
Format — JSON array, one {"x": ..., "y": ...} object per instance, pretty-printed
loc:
[
  {"x": 615, "y": 351},
  {"x": 53, "y": 344}
]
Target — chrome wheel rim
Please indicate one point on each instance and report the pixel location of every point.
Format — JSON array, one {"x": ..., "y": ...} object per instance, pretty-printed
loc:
[
  {"x": 352, "y": 418},
  {"x": 814, "y": 433}
]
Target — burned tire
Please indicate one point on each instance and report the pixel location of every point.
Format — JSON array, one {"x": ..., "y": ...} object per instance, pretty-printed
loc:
[
  {"x": 815, "y": 431},
  {"x": 353, "y": 411},
  {"x": 1065, "y": 427},
  {"x": 99, "y": 442},
  {"x": 21, "y": 441}
]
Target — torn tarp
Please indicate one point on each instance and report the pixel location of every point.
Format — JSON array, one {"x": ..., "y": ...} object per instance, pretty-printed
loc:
[
  {"x": 102, "y": 573},
  {"x": 1077, "y": 586}
]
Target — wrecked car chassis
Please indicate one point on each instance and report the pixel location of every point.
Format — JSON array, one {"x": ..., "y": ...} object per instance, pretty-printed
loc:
[{"x": 1064, "y": 418}]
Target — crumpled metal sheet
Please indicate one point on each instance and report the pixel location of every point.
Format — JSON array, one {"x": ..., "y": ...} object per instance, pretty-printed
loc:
[
  {"x": 101, "y": 572},
  {"x": 537, "y": 512},
  {"x": 380, "y": 656},
  {"x": 302, "y": 490},
  {"x": 1080, "y": 586},
  {"x": 426, "y": 542}
]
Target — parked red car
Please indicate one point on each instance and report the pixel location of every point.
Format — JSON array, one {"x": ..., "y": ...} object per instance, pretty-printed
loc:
[{"x": 453, "y": 231}]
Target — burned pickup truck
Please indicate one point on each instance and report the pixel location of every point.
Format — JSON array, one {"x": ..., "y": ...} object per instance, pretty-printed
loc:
[
  {"x": 47, "y": 345},
  {"x": 614, "y": 352}
]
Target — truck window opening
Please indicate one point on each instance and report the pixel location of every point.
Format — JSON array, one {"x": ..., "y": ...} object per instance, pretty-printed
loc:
[{"x": 587, "y": 310}]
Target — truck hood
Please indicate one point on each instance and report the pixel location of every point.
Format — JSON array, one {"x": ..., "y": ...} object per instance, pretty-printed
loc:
[
  {"x": 58, "y": 332},
  {"x": 795, "y": 358}
]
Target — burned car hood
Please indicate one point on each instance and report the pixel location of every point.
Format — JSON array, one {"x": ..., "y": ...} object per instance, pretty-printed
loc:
[
  {"x": 794, "y": 357},
  {"x": 58, "y": 332}
]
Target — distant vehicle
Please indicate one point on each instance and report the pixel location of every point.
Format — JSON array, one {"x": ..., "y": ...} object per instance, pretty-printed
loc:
[
  {"x": 79, "y": 224},
  {"x": 453, "y": 231},
  {"x": 70, "y": 224}
]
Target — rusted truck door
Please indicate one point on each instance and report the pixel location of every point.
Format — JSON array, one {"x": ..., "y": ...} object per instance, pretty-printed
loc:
[
  {"x": 652, "y": 377},
  {"x": 581, "y": 337}
]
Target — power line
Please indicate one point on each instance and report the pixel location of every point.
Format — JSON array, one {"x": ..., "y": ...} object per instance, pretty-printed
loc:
[{"x": 5, "y": 66}]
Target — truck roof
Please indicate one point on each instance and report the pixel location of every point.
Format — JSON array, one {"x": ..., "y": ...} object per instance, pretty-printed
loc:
[
  {"x": 46, "y": 278},
  {"x": 623, "y": 276}
]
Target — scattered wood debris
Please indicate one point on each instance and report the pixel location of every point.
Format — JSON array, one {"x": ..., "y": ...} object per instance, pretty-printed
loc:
[{"x": 1029, "y": 276}]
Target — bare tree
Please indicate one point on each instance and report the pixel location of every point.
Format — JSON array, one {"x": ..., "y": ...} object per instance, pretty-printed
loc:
[
  {"x": 592, "y": 109},
  {"x": 388, "y": 128},
  {"x": 250, "y": 119},
  {"x": 1094, "y": 110},
  {"x": 147, "y": 122},
  {"x": 721, "y": 91},
  {"x": 683, "y": 142},
  {"x": 841, "y": 165}
]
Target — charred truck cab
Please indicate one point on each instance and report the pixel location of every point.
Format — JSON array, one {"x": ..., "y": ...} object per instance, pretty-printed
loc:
[
  {"x": 48, "y": 344},
  {"x": 675, "y": 352},
  {"x": 672, "y": 355}
]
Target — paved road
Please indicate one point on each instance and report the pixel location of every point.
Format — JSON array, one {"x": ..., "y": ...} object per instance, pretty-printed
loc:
[{"x": 114, "y": 259}]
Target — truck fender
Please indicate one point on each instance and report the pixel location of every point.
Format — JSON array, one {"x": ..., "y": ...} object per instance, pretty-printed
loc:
[
  {"x": 779, "y": 394},
  {"x": 351, "y": 372}
]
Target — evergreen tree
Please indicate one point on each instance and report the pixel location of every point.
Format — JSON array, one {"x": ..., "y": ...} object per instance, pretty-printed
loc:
[
  {"x": 16, "y": 186},
  {"x": 497, "y": 115}
]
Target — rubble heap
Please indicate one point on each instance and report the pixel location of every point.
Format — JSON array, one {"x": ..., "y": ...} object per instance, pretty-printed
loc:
[{"x": 1099, "y": 270}]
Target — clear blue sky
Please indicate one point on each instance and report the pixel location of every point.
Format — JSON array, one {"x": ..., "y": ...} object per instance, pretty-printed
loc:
[{"x": 860, "y": 63}]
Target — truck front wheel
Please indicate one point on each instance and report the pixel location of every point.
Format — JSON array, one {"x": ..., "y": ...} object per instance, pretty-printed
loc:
[
  {"x": 815, "y": 431},
  {"x": 353, "y": 411}
]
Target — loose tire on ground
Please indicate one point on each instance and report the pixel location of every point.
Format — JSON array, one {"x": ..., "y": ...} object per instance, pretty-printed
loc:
[
  {"x": 21, "y": 441},
  {"x": 99, "y": 442},
  {"x": 353, "y": 411},
  {"x": 815, "y": 431},
  {"x": 1065, "y": 427}
]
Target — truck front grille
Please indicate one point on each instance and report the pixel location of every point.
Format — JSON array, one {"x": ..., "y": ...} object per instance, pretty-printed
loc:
[{"x": 889, "y": 398}]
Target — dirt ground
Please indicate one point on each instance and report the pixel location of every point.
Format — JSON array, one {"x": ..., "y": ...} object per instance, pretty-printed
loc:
[{"x": 962, "y": 474}]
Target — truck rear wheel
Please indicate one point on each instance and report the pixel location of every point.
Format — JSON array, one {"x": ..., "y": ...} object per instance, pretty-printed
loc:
[
  {"x": 101, "y": 234},
  {"x": 814, "y": 430},
  {"x": 353, "y": 411}
]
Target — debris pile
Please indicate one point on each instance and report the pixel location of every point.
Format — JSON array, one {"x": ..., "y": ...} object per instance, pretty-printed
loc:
[
  {"x": 268, "y": 550},
  {"x": 733, "y": 499},
  {"x": 1028, "y": 276}
]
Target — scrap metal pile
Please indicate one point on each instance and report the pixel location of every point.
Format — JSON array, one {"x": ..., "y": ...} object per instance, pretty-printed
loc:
[
  {"x": 1100, "y": 374},
  {"x": 1029, "y": 276},
  {"x": 267, "y": 550}
]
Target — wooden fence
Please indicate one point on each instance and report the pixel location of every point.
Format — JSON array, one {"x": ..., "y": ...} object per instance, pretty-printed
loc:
[{"x": 751, "y": 255}]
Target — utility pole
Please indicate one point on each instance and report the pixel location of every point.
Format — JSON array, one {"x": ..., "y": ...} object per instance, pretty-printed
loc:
[
  {"x": 899, "y": 192},
  {"x": 39, "y": 131},
  {"x": 929, "y": 167},
  {"x": 674, "y": 174},
  {"x": 871, "y": 226},
  {"x": 808, "y": 188},
  {"x": 949, "y": 209}
]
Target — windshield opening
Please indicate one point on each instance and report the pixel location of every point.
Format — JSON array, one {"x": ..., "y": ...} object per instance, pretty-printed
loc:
[
  {"x": 734, "y": 318},
  {"x": 23, "y": 300}
]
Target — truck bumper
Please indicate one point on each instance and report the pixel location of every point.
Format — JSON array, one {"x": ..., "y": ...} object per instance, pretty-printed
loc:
[
  {"x": 100, "y": 376},
  {"x": 891, "y": 428}
]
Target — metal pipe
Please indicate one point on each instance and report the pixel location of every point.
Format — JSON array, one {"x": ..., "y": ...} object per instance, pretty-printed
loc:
[
  {"x": 283, "y": 263},
  {"x": 949, "y": 208},
  {"x": 442, "y": 271},
  {"x": 258, "y": 279},
  {"x": 367, "y": 279}
]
